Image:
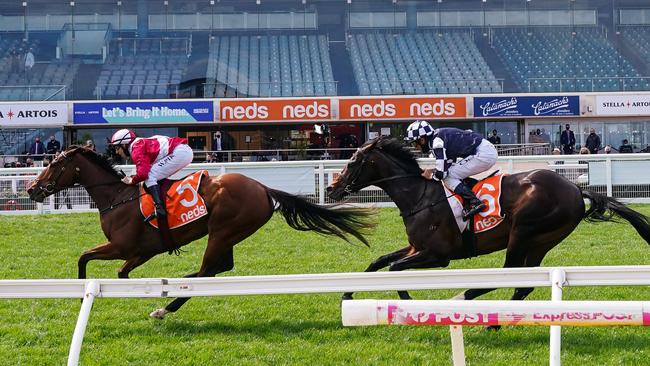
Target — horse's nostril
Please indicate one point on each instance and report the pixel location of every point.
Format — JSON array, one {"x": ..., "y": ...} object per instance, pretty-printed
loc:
[{"x": 328, "y": 189}]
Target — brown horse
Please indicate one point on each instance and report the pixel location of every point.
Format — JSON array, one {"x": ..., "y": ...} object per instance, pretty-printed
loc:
[
  {"x": 541, "y": 209},
  {"x": 238, "y": 206}
]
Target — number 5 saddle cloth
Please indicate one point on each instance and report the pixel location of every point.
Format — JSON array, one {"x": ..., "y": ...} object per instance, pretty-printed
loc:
[{"x": 182, "y": 200}]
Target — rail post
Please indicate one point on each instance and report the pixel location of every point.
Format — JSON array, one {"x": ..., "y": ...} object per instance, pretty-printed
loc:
[
  {"x": 92, "y": 290},
  {"x": 558, "y": 276},
  {"x": 321, "y": 183}
]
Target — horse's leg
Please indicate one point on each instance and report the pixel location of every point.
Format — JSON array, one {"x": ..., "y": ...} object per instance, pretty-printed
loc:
[
  {"x": 380, "y": 263},
  {"x": 176, "y": 303},
  {"x": 105, "y": 251},
  {"x": 214, "y": 262},
  {"x": 534, "y": 259},
  {"x": 515, "y": 257},
  {"x": 421, "y": 259},
  {"x": 130, "y": 265}
]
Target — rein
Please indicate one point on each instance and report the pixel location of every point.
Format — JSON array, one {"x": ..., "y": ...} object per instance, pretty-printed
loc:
[
  {"x": 399, "y": 176},
  {"x": 429, "y": 205},
  {"x": 115, "y": 205}
]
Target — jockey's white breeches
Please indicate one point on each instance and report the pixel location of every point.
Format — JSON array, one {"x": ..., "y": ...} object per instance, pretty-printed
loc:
[
  {"x": 164, "y": 168},
  {"x": 485, "y": 158}
]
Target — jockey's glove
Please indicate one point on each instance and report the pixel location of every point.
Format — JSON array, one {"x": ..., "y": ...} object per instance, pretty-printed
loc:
[{"x": 439, "y": 175}]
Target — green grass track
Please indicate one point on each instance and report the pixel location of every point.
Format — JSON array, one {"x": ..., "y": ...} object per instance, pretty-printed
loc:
[{"x": 288, "y": 329}]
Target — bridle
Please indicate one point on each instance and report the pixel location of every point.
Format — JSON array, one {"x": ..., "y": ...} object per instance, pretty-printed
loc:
[
  {"x": 350, "y": 187},
  {"x": 51, "y": 186}
]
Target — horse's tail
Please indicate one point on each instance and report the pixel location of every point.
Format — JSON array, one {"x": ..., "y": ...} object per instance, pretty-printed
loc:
[
  {"x": 303, "y": 215},
  {"x": 600, "y": 204}
]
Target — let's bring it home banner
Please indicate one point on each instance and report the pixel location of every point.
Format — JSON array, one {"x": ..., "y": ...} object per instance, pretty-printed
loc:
[{"x": 143, "y": 112}]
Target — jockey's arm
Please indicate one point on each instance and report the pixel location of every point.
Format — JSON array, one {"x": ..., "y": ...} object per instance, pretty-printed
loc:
[
  {"x": 142, "y": 163},
  {"x": 439, "y": 152}
]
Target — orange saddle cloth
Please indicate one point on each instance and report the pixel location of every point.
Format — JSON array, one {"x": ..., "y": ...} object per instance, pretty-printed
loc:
[
  {"x": 183, "y": 202},
  {"x": 488, "y": 191}
]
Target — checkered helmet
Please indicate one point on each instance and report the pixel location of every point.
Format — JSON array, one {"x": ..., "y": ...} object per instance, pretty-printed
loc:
[
  {"x": 418, "y": 129},
  {"x": 122, "y": 137}
]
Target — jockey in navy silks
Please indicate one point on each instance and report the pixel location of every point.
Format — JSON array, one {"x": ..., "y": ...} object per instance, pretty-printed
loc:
[{"x": 448, "y": 144}]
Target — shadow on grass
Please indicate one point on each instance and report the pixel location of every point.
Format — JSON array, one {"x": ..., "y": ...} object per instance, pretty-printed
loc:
[
  {"x": 260, "y": 328},
  {"x": 270, "y": 329}
]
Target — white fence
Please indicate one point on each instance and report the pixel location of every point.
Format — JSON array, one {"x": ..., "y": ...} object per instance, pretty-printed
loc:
[
  {"x": 322, "y": 283},
  {"x": 624, "y": 176}
]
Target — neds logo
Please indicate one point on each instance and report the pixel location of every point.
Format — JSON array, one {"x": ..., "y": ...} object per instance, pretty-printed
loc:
[
  {"x": 403, "y": 108},
  {"x": 313, "y": 110},
  {"x": 276, "y": 110},
  {"x": 239, "y": 112},
  {"x": 381, "y": 109},
  {"x": 439, "y": 108}
]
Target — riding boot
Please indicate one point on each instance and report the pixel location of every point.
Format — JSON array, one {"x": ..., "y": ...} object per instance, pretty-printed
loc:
[
  {"x": 472, "y": 205},
  {"x": 158, "y": 204}
]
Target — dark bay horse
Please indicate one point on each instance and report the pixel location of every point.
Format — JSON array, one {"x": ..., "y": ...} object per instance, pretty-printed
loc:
[
  {"x": 541, "y": 209},
  {"x": 237, "y": 207}
]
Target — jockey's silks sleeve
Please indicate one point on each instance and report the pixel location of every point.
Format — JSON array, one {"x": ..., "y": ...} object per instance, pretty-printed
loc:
[
  {"x": 142, "y": 161},
  {"x": 439, "y": 152}
]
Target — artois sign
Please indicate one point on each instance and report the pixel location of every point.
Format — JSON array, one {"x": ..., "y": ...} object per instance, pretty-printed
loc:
[
  {"x": 623, "y": 105},
  {"x": 33, "y": 114}
]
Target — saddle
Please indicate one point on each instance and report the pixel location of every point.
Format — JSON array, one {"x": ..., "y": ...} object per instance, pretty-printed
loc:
[
  {"x": 182, "y": 201},
  {"x": 487, "y": 190}
]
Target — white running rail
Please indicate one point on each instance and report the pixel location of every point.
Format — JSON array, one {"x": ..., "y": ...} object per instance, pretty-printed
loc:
[{"x": 317, "y": 283}]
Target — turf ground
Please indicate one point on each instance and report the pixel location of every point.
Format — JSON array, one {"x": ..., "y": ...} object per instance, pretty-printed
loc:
[{"x": 288, "y": 329}]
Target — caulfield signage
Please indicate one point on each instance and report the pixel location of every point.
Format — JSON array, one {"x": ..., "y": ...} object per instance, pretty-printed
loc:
[
  {"x": 402, "y": 108},
  {"x": 33, "y": 114},
  {"x": 623, "y": 105},
  {"x": 143, "y": 112},
  {"x": 526, "y": 106},
  {"x": 251, "y": 110}
]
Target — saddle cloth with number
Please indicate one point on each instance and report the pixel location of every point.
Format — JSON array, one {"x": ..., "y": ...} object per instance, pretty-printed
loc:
[
  {"x": 488, "y": 191},
  {"x": 183, "y": 202}
]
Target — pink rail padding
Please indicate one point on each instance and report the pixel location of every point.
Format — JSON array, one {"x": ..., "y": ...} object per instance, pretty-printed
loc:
[{"x": 477, "y": 312}]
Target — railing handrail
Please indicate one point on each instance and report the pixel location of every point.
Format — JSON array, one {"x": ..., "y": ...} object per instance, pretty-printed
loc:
[
  {"x": 589, "y": 78},
  {"x": 148, "y": 38},
  {"x": 137, "y": 84},
  {"x": 446, "y": 79},
  {"x": 340, "y": 163},
  {"x": 34, "y": 86}
]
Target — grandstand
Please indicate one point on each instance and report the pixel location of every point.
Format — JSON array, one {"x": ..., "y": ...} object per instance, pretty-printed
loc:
[
  {"x": 638, "y": 39},
  {"x": 477, "y": 50},
  {"x": 419, "y": 63},
  {"x": 561, "y": 59},
  {"x": 269, "y": 66},
  {"x": 148, "y": 68},
  {"x": 48, "y": 79}
]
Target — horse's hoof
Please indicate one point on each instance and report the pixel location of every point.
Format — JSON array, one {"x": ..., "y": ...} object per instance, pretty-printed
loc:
[
  {"x": 460, "y": 296},
  {"x": 404, "y": 295},
  {"x": 492, "y": 328},
  {"x": 346, "y": 296},
  {"x": 159, "y": 313}
]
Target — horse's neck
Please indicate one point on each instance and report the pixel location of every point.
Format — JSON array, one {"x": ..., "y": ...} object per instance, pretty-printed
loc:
[
  {"x": 103, "y": 187},
  {"x": 407, "y": 193}
]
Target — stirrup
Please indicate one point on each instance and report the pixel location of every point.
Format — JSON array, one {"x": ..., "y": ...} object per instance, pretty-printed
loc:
[
  {"x": 150, "y": 217},
  {"x": 474, "y": 210},
  {"x": 160, "y": 213}
]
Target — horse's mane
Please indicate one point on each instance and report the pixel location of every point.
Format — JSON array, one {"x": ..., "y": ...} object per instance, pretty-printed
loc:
[
  {"x": 399, "y": 151},
  {"x": 99, "y": 160}
]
